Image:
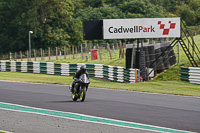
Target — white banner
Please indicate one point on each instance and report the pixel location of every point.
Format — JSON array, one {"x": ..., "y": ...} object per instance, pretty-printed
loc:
[{"x": 141, "y": 28}]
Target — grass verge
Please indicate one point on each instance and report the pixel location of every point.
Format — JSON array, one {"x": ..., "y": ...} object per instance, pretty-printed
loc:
[
  {"x": 113, "y": 62},
  {"x": 166, "y": 87}
]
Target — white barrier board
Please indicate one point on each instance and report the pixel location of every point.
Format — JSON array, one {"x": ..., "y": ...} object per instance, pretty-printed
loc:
[{"x": 141, "y": 28}]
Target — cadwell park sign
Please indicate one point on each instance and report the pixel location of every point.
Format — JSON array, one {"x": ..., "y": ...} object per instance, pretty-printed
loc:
[{"x": 141, "y": 28}]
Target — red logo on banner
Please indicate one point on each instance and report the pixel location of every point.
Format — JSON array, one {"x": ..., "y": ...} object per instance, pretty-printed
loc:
[{"x": 166, "y": 31}]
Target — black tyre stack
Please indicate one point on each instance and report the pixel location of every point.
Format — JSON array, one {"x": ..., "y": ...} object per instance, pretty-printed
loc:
[
  {"x": 165, "y": 57},
  {"x": 172, "y": 57},
  {"x": 152, "y": 52},
  {"x": 152, "y": 58},
  {"x": 160, "y": 65},
  {"x": 145, "y": 49}
]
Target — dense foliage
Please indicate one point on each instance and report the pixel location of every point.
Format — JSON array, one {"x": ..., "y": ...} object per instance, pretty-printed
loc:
[{"x": 59, "y": 22}]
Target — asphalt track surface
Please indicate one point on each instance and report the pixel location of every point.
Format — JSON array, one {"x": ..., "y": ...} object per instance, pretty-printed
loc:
[{"x": 171, "y": 111}]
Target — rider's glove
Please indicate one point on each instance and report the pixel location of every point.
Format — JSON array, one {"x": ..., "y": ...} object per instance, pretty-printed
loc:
[{"x": 75, "y": 79}]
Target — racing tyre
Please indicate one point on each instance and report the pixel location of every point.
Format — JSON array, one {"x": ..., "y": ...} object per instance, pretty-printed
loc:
[
  {"x": 83, "y": 94},
  {"x": 74, "y": 94}
]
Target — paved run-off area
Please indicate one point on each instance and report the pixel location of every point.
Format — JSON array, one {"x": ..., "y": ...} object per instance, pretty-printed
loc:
[
  {"x": 83, "y": 118},
  {"x": 19, "y": 122}
]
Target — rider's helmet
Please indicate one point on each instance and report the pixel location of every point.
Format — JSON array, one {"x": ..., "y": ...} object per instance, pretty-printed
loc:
[{"x": 83, "y": 69}]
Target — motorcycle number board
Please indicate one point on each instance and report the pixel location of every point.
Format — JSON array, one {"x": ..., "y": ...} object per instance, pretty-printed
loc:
[{"x": 141, "y": 28}]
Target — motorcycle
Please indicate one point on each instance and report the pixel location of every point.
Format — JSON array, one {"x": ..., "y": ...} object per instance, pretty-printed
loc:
[{"x": 80, "y": 88}]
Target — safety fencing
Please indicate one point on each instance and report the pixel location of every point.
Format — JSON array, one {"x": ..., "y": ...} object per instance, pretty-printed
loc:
[
  {"x": 112, "y": 73},
  {"x": 190, "y": 74}
]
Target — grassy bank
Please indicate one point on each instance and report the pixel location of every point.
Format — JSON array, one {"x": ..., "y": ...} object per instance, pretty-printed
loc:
[
  {"x": 166, "y": 87},
  {"x": 116, "y": 61},
  {"x": 113, "y": 62}
]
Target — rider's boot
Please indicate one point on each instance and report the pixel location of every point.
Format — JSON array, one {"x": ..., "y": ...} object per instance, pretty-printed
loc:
[{"x": 72, "y": 88}]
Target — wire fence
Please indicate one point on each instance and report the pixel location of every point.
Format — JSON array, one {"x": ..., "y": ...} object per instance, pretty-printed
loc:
[{"x": 105, "y": 51}]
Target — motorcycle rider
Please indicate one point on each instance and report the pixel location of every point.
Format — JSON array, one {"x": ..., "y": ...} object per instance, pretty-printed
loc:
[{"x": 77, "y": 75}]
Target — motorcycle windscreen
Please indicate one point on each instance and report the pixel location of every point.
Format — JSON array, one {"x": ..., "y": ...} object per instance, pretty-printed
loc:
[{"x": 84, "y": 78}]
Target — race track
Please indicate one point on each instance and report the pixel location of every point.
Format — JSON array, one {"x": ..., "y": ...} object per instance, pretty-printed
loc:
[{"x": 171, "y": 111}]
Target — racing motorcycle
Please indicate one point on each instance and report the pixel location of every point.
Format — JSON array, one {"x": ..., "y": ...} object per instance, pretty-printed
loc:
[{"x": 80, "y": 88}]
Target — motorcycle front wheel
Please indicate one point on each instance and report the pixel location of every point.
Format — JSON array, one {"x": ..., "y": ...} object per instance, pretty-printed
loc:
[
  {"x": 74, "y": 94},
  {"x": 82, "y": 94}
]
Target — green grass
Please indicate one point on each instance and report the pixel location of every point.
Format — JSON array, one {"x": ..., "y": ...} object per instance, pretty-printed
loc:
[
  {"x": 173, "y": 73},
  {"x": 113, "y": 62},
  {"x": 167, "y": 87},
  {"x": 116, "y": 61}
]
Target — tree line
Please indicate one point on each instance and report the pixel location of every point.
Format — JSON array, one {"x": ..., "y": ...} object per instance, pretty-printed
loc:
[{"x": 58, "y": 23}]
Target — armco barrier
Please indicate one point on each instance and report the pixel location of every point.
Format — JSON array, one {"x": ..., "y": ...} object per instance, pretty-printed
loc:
[
  {"x": 190, "y": 74},
  {"x": 112, "y": 73}
]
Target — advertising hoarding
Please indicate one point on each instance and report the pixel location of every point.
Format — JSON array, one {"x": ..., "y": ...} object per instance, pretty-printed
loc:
[{"x": 141, "y": 28}]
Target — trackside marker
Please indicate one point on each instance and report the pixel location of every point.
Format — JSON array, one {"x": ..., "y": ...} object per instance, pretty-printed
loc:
[{"x": 87, "y": 118}]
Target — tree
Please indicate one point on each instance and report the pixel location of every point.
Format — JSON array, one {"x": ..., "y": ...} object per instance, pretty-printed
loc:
[
  {"x": 139, "y": 8},
  {"x": 186, "y": 13},
  {"x": 49, "y": 20},
  {"x": 104, "y": 12}
]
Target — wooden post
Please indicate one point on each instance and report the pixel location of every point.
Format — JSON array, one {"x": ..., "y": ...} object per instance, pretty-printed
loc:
[
  {"x": 113, "y": 46},
  {"x": 49, "y": 53},
  {"x": 27, "y": 55},
  {"x": 123, "y": 50},
  {"x": 41, "y": 53},
  {"x": 99, "y": 51},
  {"x": 15, "y": 56},
  {"x": 64, "y": 52},
  {"x": 108, "y": 47},
  {"x": 73, "y": 50},
  {"x": 56, "y": 53},
  {"x": 76, "y": 51},
  {"x": 120, "y": 48},
  {"x": 21, "y": 55},
  {"x": 117, "y": 46},
  {"x": 68, "y": 52},
  {"x": 10, "y": 56},
  {"x": 60, "y": 53},
  {"x": 34, "y": 54},
  {"x": 82, "y": 51}
]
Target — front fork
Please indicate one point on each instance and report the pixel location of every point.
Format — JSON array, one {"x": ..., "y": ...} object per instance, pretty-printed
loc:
[{"x": 81, "y": 89}]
